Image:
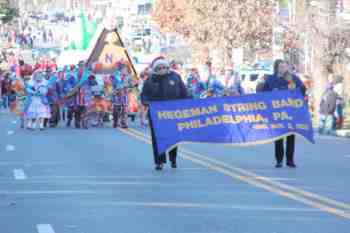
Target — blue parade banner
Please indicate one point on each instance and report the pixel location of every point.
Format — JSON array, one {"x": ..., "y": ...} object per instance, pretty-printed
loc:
[{"x": 244, "y": 120}]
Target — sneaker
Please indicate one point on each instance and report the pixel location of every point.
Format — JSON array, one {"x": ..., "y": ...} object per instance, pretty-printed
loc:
[
  {"x": 173, "y": 165},
  {"x": 159, "y": 167},
  {"x": 291, "y": 165},
  {"x": 279, "y": 165}
]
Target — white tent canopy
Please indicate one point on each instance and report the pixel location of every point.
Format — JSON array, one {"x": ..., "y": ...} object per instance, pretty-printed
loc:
[{"x": 71, "y": 57}]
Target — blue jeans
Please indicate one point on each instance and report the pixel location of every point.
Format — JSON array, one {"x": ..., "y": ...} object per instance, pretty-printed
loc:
[
  {"x": 326, "y": 124},
  {"x": 5, "y": 101},
  {"x": 338, "y": 116}
]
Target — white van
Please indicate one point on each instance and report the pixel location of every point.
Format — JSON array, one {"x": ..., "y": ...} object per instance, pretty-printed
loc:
[{"x": 250, "y": 79}]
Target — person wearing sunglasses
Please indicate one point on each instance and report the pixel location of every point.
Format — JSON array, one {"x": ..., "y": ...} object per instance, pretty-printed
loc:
[{"x": 163, "y": 84}]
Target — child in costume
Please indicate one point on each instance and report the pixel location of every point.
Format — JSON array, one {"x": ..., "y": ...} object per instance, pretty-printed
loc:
[
  {"x": 121, "y": 82},
  {"x": 108, "y": 93},
  {"x": 18, "y": 88},
  {"x": 83, "y": 95},
  {"x": 54, "y": 94},
  {"x": 70, "y": 96},
  {"x": 38, "y": 106},
  {"x": 98, "y": 107},
  {"x": 61, "y": 101},
  {"x": 86, "y": 98}
]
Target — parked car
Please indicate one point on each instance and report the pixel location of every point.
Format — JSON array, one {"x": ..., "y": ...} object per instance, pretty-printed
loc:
[{"x": 250, "y": 79}]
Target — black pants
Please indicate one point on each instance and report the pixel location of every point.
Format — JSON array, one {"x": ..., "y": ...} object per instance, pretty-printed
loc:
[
  {"x": 70, "y": 115},
  {"x": 46, "y": 120},
  {"x": 77, "y": 112},
  {"x": 279, "y": 149},
  {"x": 160, "y": 158},
  {"x": 55, "y": 115},
  {"x": 120, "y": 116}
]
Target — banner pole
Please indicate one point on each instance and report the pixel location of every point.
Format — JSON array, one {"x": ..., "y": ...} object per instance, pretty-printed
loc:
[{"x": 126, "y": 53}]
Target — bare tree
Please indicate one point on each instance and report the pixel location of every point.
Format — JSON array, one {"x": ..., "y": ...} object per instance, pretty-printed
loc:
[{"x": 208, "y": 25}]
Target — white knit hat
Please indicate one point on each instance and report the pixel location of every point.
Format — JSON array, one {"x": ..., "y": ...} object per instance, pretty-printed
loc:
[{"x": 158, "y": 62}]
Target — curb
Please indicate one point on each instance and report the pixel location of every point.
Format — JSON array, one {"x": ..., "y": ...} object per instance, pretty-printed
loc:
[
  {"x": 340, "y": 133},
  {"x": 343, "y": 133}
]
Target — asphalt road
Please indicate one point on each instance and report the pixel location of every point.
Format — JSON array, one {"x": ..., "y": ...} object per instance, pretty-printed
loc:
[{"x": 103, "y": 181}]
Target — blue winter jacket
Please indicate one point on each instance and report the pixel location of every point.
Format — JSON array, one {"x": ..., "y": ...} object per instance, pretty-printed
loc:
[{"x": 273, "y": 82}]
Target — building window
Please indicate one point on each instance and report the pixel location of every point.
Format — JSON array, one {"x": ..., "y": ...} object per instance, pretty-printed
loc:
[
  {"x": 144, "y": 9},
  {"x": 339, "y": 6}
]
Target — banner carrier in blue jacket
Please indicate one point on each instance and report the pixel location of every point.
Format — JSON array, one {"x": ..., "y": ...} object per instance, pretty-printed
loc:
[{"x": 244, "y": 120}]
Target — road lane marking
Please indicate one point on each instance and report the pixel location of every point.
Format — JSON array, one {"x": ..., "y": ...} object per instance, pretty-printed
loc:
[
  {"x": 93, "y": 177},
  {"x": 165, "y": 184},
  {"x": 310, "y": 199},
  {"x": 10, "y": 132},
  {"x": 10, "y": 148},
  {"x": 71, "y": 226},
  {"x": 53, "y": 192},
  {"x": 253, "y": 218},
  {"x": 41, "y": 181},
  {"x": 30, "y": 164},
  {"x": 209, "y": 206},
  {"x": 268, "y": 187},
  {"x": 19, "y": 174},
  {"x": 268, "y": 181},
  {"x": 44, "y": 228},
  {"x": 276, "y": 183},
  {"x": 194, "y": 169},
  {"x": 275, "y": 178}
]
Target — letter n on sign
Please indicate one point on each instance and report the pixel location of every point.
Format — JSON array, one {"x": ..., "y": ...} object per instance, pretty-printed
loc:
[{"x": 109, "y": 58}]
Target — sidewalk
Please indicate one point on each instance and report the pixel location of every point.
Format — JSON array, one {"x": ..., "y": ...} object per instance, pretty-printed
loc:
[
  {"x": 345, "y": 132},
  {"x": 4, "y": 112}
]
